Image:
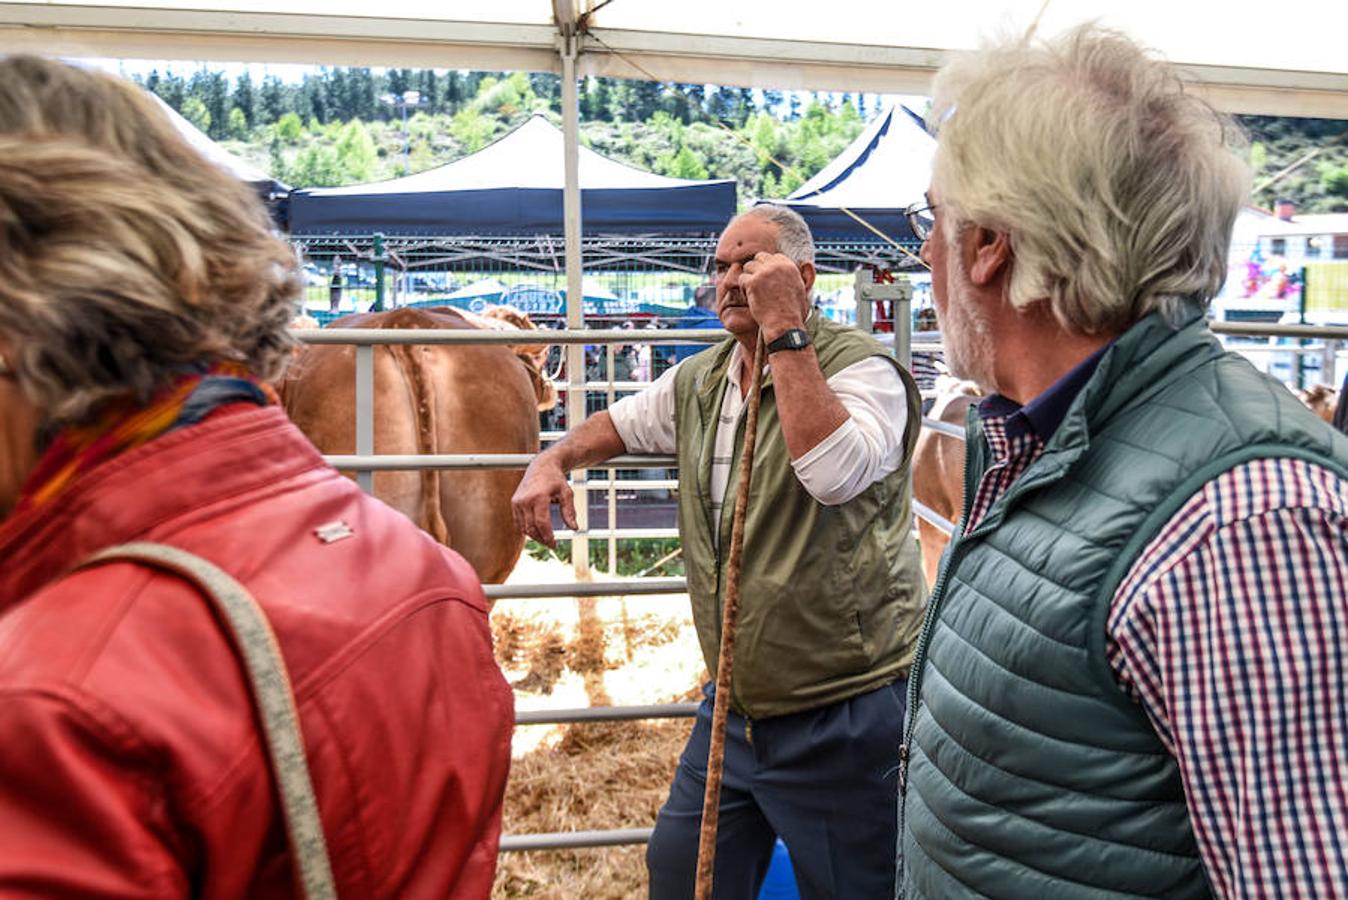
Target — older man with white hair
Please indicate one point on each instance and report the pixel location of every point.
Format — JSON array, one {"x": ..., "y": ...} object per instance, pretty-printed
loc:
[
  {"x": 831, "y": 589},
  {"x": 1132, "y": 678}
]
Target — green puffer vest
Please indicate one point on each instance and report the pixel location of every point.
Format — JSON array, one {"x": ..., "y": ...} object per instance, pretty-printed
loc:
[
  {"x": 1029, "y": 774},
  {"x": 830, "y": 596}
]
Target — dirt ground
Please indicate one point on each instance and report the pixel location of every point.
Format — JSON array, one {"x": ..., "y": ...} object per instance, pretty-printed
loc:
[{"x": 567, "y": 653}]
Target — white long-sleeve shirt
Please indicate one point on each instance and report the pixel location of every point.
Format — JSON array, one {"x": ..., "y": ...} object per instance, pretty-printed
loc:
[{"x": 862, "y": 450}]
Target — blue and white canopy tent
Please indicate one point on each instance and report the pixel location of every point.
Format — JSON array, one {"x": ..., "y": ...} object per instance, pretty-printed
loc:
[
  {"x": 885, "y": 169},
  {"x": 514, "y": 187}
]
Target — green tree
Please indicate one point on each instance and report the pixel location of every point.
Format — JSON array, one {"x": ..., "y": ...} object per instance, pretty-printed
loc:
[
  {"x": 317, "y": 166},
  {"x": 289, "y": 128},
  {"x": 639, "y": 100},
  {"x": 312, "y": 102},
  {"x": 772, "y": 102},
  {"x": 421, "y": 127},
  {"x": 505, "y": 98},
  {"x": 276, "y": 161},
  {"x": 455, "y": 91},
  {"x": 245, "y": 99},
  {"x": 399, "y": 81},
  {"x": 1334, "y": 181},
  {"x": 238, "y": 124},
  {"x": 196, "y": 112},
  {"x": 272, "y": 101},
  {"x": 763, "y": 134},
  {"x": 339, "y": 94},
  {"x": 743, "y": 106},
  {"x": 600, "y": 95},
  {"x": 547, "y": 87},
  {"x": 429, "y": 85},
  {"x": 696, "y": 96},
  {"x": 355, "y": 152},
  {"x": 848, "y": 120},
  {"x": 364, "y": 95},
  {"x": 172, "y": 90},
  {"x": 471, "y": 129},
  {"x": 685, "y": 164},
  {"x": 721, "y": 106},
  {"x": 212, "y": 90}
]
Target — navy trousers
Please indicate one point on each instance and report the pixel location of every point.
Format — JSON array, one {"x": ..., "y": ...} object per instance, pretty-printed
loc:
[{"x": 824, "y": 780}]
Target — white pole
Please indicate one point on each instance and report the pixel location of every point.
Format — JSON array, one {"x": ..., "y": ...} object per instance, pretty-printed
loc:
[
  {"x": 365, "y": 413},
  {"x": 575, "y": 313},
  {"x": 861, "y": 293}
]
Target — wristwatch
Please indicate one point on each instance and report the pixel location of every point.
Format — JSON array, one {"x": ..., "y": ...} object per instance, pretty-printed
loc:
[{"x": 791, "y": 339}]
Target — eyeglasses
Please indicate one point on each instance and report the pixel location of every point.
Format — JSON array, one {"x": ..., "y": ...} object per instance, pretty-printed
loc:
[{"x": 920, "y": 224}]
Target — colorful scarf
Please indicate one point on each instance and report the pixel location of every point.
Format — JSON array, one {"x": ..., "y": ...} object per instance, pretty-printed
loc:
[{"x": 123, "y": 426}]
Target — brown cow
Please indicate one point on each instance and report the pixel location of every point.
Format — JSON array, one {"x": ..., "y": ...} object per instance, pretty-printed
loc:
[
  {"x": 1321, "y": 399},
  {"x": 938, "y": 468},
  {"x": 432, "y": 399}
]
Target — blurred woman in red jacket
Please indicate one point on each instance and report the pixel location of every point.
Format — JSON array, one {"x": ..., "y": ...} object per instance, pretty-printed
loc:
[{"x": 143, "y": 310}]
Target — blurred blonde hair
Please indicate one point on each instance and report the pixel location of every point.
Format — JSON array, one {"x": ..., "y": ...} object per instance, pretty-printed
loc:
[
  {"x": 1117, "y": 187},
  {"x": 124, "y": 254}
]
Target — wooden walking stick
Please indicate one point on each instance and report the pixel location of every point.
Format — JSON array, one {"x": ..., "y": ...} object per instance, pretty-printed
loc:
[{"x": 725, "y": 662}]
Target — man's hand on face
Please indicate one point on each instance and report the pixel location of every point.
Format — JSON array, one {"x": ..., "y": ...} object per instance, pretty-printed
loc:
[{"x": 776, "y": 292}]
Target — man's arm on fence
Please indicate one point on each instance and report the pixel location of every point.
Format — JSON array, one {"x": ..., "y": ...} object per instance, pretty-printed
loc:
[{"x": 544, "y": 482}]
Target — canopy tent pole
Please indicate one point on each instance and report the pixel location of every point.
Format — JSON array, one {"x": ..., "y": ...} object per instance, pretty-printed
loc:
[{"x": 568, "y": 49}]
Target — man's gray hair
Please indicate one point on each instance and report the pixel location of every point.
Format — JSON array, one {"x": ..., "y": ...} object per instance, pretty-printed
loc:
[
  {"x": 1117, "y": 187},
  {"x": 794, "y": 240}
]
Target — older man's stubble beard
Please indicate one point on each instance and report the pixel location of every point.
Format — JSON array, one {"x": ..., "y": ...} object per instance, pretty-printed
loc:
[{"x": 970, "y": 351}]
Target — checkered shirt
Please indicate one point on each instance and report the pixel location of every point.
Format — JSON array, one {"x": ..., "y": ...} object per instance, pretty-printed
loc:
[{"x": 1231, "y": 631}]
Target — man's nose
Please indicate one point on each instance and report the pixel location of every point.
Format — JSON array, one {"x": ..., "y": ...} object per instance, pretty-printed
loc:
[
  {"x": 730, "y": 279},
  {"x": 923, "y": 254}
]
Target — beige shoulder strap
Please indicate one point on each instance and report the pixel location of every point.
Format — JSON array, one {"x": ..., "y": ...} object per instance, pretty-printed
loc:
[{"x": 271, "y": 692}]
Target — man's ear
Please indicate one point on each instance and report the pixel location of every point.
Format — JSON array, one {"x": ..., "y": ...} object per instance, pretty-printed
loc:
[
  {"x": 807, "y": 274},
  {"x": 991, "y": 252}
]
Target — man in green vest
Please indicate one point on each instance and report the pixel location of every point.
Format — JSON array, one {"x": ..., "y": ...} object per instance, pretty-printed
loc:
[
  {"x": 831, "y": 588},
  {"x": 1132, "y": 678}
]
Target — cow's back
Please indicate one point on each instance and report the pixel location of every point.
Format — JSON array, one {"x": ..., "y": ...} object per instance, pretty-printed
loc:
[
  {"x": 429, "y": 399},
  {"x": 938, "y": 471}
]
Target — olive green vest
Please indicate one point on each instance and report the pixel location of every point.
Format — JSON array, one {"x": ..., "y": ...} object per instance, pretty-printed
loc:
[
  {"x": 830, "y": 596},
  {"x": 1029, "y": 774}
]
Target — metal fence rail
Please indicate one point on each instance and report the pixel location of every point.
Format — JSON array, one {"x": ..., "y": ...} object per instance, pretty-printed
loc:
[
  {"x": 367, "y": 462},
  {"x": 628, "y": 587},
  {"x": 605, "y": 713},
  {"x": 364, "y": 337},
  {"x": 575, "y": 840},
  {"x": 392, "y": 462}
]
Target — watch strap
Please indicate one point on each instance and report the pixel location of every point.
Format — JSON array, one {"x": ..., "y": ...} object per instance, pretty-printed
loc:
[{"x": 791, "y": 339}]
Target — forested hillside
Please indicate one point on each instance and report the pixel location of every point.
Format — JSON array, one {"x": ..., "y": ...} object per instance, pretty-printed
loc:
[
  {"x": 338, "y": 126},
  {"x": 1305, "y": 160}
]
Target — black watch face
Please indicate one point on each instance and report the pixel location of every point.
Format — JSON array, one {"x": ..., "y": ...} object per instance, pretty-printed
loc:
[{"x": 794, "y": 339}]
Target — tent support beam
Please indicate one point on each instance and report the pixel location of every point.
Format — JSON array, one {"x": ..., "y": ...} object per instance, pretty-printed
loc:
[{"x": 130, "y": 31}]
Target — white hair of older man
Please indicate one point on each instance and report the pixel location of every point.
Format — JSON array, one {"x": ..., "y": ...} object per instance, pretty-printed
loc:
[
  {"x": 794, "y": 240},
  {"x": 1118, "y": 188}
]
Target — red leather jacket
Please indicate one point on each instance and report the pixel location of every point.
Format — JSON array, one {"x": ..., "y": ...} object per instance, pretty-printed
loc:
[{"x": 130, "y": 763}]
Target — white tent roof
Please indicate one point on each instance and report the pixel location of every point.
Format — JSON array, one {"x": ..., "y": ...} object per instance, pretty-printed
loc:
[
  {"x": 1238, "y": 56},
  {"x": 889, "y": 170},
  {"x": 528, "y": 157},
  {"x": 485, "y": 287}
]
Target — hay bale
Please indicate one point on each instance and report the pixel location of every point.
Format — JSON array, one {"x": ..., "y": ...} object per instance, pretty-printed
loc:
[
  {"x": 592, "y": 776},
  {"x": 599, "y": 776}
]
